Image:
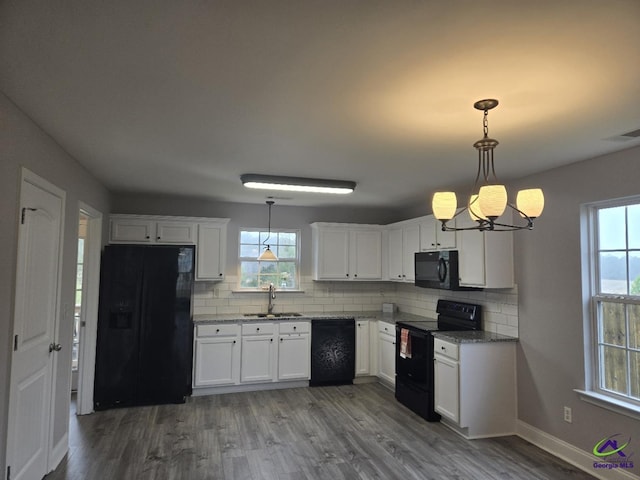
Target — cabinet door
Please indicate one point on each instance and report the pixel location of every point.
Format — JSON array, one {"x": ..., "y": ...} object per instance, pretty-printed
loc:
[
  {"x": 183, "y": 233},
  {"x": 446, "y": 388},
  {"x": 471, "y": 256},
  {"x": 217, "y": 361},
  {"x": 433, "y": 238},
  {"x": 395, "y": 254},
  {"x": 363, "y": 366},
  {"x": 294, "y": 355},
  {"x": 366, "y": 255},
  {"x": 210, "y": 252},
  {"x": 333, "y": 254},
  {"x": 410, "y": 245},
  {"x": 131, "y": 230},
  {"x": 387, "y": 362},
  {"x": 258, "y": 359}
]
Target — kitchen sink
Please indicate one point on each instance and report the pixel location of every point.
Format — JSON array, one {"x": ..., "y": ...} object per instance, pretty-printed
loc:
[{"x": 273, "y": 315}]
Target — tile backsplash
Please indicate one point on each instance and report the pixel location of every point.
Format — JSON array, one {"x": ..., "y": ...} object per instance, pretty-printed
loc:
[{"x": 500, "y": 307}]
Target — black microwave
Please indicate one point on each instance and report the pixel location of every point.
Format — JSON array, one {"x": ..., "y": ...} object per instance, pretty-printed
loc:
[{"x": 438, "y": 270}]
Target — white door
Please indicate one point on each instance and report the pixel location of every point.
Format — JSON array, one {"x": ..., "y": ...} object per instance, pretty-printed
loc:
[
  {"x": 35, "y": 321},
  {"x": 294, "y": 353}
]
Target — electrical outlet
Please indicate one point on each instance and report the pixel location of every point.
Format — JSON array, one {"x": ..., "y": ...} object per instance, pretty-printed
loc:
[{"x": 567, "y": 414}]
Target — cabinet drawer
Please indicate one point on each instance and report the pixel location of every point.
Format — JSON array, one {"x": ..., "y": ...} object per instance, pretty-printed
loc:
[
  {"x": 294, "y": 327},
  {"x": 258, "y": 328},
  {"x": 388, "y": 328},
  {"x": 217, "y": 330},
  {"x": 447, "y": 349}
]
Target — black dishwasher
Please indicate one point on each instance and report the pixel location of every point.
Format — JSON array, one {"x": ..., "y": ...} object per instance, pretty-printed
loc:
[{"x": 333, "y": 352}]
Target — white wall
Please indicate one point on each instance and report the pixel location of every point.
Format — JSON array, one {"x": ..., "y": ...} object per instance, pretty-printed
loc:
[
  {"x": 23, "y": 143},
  {"x": 548, "y": 273}
]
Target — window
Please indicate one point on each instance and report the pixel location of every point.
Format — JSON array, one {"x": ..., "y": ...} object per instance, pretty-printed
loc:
[
  {"x": 283, "y": 273},
  {"x": 615, "y": 285}
]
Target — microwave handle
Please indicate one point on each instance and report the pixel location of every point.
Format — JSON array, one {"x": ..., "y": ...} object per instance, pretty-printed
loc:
[{"x": 442, "y": 270}]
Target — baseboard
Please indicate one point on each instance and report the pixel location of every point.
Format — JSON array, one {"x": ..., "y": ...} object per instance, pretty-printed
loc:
[
  {"x": 569, "y": 453},
  {"x": 58, "y": 452},
  {"x": 249, "y": 387}
]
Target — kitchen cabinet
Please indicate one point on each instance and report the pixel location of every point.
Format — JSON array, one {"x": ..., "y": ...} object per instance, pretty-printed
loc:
[
  {"x": 294, "y": 351},
  {"x": 216, "y": 355},
  {"x": 363, "y": 347},
  {"x": 346, "y": 252},
  {"x": 475, "y": 387},
  {"x": 258, "y": 355},
  {"x": 211, "y": 251},
  {"x": 209, "y": 235},
  {"x": 485, "y": 258},
  {"x": 433, "y": 238},
  {"x": 387, "y": 353},
  {"x": 404, "y": 242}
]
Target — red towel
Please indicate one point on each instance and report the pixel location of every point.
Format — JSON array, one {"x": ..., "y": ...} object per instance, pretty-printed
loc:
[{"x": 405, "y": 343}]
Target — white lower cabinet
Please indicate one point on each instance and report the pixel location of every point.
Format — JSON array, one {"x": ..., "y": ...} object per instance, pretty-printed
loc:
[
  {"x": 475, "y": 387},
  {"x": 294, "y": 351},
  {"x": 387, "y": 352},
  {"x": 230, "y": 354},
  {"x": 216, "y": 355},
  {"x": 258, "y": 357},
  {"x": 363, "y": 349}
]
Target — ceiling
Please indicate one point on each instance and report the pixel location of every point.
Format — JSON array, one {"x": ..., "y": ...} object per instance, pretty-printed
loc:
[{"x": 182, "y": 97}]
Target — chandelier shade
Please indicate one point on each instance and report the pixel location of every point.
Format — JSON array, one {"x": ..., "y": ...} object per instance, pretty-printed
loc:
[
  {"x": 267, "y": 255},
  {"x": 488, "y": 199}
]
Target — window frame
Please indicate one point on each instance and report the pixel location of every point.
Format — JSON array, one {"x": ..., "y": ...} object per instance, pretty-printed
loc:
[
  {"x": 594, "y": 377},
  {"x": 241, "y": 259}
]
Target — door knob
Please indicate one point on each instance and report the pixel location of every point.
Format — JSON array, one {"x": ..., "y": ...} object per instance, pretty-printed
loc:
[{"x": 54, "y": 347}]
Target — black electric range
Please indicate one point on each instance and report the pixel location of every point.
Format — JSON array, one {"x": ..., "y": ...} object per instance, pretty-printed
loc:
[{"x": 414, "y": 355}]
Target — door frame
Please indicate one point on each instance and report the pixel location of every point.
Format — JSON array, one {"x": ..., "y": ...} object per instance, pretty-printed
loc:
[{"x": 89, "y": 313}]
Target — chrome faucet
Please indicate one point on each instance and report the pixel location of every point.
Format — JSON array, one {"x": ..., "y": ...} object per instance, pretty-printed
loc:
[{"x": 272, "y": 296}]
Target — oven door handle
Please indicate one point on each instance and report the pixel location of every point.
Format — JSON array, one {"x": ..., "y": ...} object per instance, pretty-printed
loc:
[{"x": 442, "y": 270}]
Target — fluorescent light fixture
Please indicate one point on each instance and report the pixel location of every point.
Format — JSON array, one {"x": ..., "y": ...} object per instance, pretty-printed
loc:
[{"x": 297, "y": 184}]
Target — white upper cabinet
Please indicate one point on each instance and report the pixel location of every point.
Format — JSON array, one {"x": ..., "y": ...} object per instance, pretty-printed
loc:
[
  {"x": 346, "y": 252},
  {"x": 404, "y": 242},
  {"x": 209, "y": 235},
  {"x": 211, "y": 251},
  {"x": 433, "y": 238},
  {"x": 131, "y": 230},
  {"x": 485, "y": 258}
]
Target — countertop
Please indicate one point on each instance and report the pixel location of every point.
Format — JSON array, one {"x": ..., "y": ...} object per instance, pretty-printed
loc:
[
  {"x": 372, "y": 315},
  {"x": 473, "y": 336},
  {"x": 454, "y": 337}
]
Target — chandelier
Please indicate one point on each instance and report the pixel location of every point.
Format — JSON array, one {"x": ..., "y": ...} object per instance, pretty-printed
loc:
[{"x": 488, "y": 198}]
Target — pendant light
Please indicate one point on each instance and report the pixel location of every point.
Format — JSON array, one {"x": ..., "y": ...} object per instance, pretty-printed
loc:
[
  {"x": 267, "y": 255},
  {"x": 487, "y": 202}
]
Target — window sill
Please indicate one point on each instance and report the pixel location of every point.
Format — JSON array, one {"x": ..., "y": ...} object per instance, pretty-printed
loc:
[
  {"x": 612, "y": 404},
  {"x": 278, "y": 292}
]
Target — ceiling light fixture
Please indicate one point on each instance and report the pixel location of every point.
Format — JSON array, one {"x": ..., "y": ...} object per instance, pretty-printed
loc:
[
  {"x": 487, "y": 202},
  {"x": 297, "y": 184},
  {"x": 268, "y": 255}
]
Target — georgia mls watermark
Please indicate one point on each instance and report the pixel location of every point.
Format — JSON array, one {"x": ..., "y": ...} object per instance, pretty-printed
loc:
[{"x": 612, "y": 452}]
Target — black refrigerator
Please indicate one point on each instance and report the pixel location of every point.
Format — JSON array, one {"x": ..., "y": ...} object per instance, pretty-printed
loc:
[{"x": 144, "y": 349}]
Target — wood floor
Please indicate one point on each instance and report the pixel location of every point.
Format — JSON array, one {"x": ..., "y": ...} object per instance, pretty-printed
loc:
[{"x": 346, "y": 432}]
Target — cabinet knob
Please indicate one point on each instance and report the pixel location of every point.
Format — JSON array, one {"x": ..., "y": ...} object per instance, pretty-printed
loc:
[
  {"x": 158, "y": 238},
  {"x": 347, "y": 274},
  {"x": 294, "y": 327},
  {"x": 399, "y": 276},
  {"x": 281, "y": 340},
  {"x": 433, "y": 244},
  {"x": 234, "y": 341},
  {"x": 147, "y": 237},
  {"x": 257, "y": 329},
  {"x": 217, "y": 330},
  {"x": 220, "y": 274},
  {"x": 442, "y": 348},
  {"x": 271, "y": 340},
  {"x": 355, "y": 275}
]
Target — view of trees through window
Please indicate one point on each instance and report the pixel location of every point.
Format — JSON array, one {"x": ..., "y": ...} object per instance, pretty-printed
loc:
[
  {"x": 283, "y": 273},
  {"x": 618, "y": 300}
]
